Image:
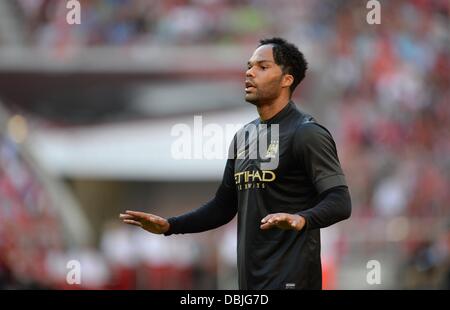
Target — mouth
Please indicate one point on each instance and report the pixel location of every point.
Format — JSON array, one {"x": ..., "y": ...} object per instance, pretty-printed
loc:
[{"x": 249, "y": 86}]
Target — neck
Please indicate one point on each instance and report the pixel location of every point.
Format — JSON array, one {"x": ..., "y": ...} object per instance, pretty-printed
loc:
[{"x": 268, "y": 110}]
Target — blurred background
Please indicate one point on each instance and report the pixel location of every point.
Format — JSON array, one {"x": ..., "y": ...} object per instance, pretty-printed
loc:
[{"x": 86, "y": 113}]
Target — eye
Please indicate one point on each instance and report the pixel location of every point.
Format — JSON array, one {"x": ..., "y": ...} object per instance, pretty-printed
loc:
[{"x": 264, "y": 68}]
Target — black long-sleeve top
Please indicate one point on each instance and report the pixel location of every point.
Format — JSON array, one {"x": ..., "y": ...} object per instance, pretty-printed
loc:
[{"x": 299, "y": 174}]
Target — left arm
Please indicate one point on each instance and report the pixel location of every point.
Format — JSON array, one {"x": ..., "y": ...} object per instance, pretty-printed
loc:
[
  {"x": 315, "y": 150},
  {"x": 334, "y": 206}
]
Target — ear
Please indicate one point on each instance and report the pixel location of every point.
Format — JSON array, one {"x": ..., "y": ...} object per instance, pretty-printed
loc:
[{"x": 287, "y": 80}]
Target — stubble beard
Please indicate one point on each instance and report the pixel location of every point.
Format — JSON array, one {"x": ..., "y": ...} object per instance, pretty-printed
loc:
[{"x": 260, "y": 98}]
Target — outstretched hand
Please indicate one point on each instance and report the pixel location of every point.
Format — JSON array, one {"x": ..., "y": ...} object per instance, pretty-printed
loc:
[
  {"x": 150, "y": 222},
  {"x": 283, "y": 221}
]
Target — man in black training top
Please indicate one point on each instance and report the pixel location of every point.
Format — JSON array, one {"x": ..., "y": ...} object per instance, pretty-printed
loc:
[{"x": 281, "y": 207}]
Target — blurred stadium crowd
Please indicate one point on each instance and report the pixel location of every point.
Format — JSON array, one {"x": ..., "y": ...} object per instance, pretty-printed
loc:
[
  {"x": 117, "y": 22},
  {"x": 384, "y": 91}
]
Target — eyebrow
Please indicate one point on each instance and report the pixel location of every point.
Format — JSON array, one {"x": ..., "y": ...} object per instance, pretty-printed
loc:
[{"x": 259, "y": 61}]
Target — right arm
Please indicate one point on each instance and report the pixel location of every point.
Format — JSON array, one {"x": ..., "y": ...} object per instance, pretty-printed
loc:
[{"x": 215, "y": 213}]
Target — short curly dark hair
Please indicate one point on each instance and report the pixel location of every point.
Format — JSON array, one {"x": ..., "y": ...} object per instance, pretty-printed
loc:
[{"x": 289, "y": 58}]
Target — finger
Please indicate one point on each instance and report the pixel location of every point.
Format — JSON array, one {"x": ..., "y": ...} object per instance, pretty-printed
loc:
[
  {"x": 267, "y": 218},
  {"x": 126, "y": 216},
  {"x": 132, "y": 222},
  {"x": 146, "y": 216},
  {"x": 138, "y": 214},
  {"x": 141, "y": 216},
  {"x": 266, "y": 226}
]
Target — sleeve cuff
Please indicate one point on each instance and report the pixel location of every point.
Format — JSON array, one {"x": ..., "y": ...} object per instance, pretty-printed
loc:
[{"x": 171, "y": 230}]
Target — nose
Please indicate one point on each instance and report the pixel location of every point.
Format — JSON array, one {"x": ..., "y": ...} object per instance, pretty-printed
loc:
[{"x": 249, "y": 73}]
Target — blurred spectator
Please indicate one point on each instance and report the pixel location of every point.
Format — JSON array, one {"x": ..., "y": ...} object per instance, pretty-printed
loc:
[
  {"x": 29, "y": 223},
  {"x": 429, "y": 265}
]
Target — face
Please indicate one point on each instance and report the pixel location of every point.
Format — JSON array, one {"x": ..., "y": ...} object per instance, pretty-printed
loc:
[{"x": 264, "y": 78}]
